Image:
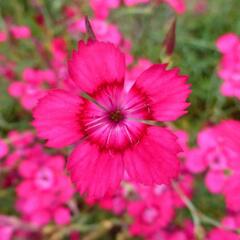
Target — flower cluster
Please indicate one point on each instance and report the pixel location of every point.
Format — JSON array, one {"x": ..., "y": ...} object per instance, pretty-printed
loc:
[
  {"x": 218, "y": 155},
  {"x": 45, "y": 190}
]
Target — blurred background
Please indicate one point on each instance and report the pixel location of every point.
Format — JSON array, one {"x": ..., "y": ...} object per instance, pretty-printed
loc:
[{"x": 36, "y": 39}]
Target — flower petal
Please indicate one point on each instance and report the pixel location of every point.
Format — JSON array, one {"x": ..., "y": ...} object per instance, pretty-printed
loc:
[
  {"x": 167, "y": 90},
  {"x": 226, "y": 42},
  {"x": 95, "y": 173},
  {"x": 95, "y": 63},
  {"x": 56, "y": 118},
  {"x": 154, "y": 160},
  {"x": 228, "y": 133}
]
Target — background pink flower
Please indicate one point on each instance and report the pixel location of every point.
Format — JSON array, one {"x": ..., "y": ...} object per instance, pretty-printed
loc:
[
  {"x": 3, "y": 148},
  {"x": 20, "y": 32}
]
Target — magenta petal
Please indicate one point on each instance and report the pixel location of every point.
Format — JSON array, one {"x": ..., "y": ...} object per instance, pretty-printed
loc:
[
  {"x": 178, "y": 5},
  {"x": 226, "y": 42},
  {"x": 27, "y": 168},
  {"x": 195, "y": 161},
  {"x": 215, "y": 181},
  {"x": 94, "y": 172},
  {"x": 56, "y": 118},
  {"x": 154, "y": 160},
  {"x": 96, "y": 63},
  {"x": 228, "y": 132},
  {"x": 62, "y": 216},
  {"x": 167, "y": 90}
]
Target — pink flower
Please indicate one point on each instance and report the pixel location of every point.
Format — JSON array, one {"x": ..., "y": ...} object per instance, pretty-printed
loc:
[
  {"x": 195, "y": 161},
  {"x": 227, "y": 42},
  {"x": 217, "y": 149},
  {"x": 59, "y": 50},
  {"x": 62, "y": 216},
  {"x": 45, "y": 188},
  {"x": 6, "y": 232},
  {"x": 35, "y": 76},
  {"x": 13, "y": 228},
  {"x": 231, "y": 221},
  {"x": 3, "y": 36},
  {"x": 112, "y": 120},
  {"x": 22, "y": 139},
  {"x": 159, "y": 235},
  {"x": 101, "y": 8},
  {"x": 220, "y": 234},
  {"x": 215, "y": 181},
  {"x": 229, "y": 67},
  {"x": 70, "y": 11},
  {"x": 33, "y": 86},
  {"x": 20, "y": 32},
  {"x": 178, "y": 5},
  {"x": 3, "y": 149},
  {"x": 116, "y": 203},
  {"x": 231, "y": 192},
  {"x": 150, "y": 212},
  {"x": 228, "y": 135},
  {"x": 179, "y": 235},
  {"x": 218, "y": 152}
]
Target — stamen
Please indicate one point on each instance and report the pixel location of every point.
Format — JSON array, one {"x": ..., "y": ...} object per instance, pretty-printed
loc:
[{"x": 116, "y": 116}]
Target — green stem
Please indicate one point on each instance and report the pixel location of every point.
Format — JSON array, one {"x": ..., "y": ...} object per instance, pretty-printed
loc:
[
  {"x": 148, "y": 122},
  {"x": 194, "y": 212},
  {"x": 88, "y": 97},
  {"x": 198, "y": 217}
]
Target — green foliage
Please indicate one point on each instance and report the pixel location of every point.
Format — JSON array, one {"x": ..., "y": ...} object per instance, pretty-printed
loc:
[{"x": 212, "y": 205}]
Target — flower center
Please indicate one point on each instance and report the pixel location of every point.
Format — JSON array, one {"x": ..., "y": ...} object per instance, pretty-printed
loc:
[
  {"x": 116, "y": 116},
  {"x": 107, "y": 117},
  {"x": 150, "y": 215},
  {"x": 44, "y": 178}
]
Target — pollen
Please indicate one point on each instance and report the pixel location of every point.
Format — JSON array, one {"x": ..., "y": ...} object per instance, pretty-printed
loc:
[{"x": 116, "y": 116}]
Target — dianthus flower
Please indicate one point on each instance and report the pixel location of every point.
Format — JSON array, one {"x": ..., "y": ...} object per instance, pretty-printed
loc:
[
  {"x": 179, "y": 6},
  {"x": 151, "y": 211},
  {"x": 33, "y": 86},
  {"x": 218, "y": 152},
  {"x": 101, "y": 8},
  {"x": 113, "y": 121},
  {"x": 45, "y": 189},
  {"x": 3, "y": 36},
  {"x": 20, "y": 32},
  {"x": 6, "y": 232},
  {"x": 229, "y": 67},
  {"x": 3, "y": 148},
  {"x": 220, "y": 234},
  {"x": 116, "y": 203}
]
